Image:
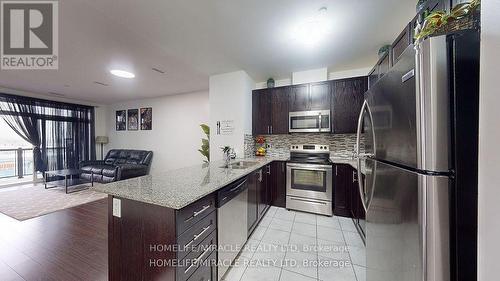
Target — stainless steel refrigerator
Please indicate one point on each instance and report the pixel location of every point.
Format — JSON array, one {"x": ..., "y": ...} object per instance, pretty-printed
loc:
[{"x": 419, "y": 126}]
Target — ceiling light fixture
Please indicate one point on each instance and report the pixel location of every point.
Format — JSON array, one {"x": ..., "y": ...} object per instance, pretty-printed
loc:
[
  {"x": 122, "y": 73},
  {"x": 312, "y": 30}
]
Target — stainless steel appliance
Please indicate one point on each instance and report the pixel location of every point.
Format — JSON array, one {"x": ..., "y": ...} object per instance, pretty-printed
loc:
[
  {"x": 309, "y": 121},
  {"x": 232, "y": 218},
  {"x": 419, "y": 163},
  {"x": 309, "y": 179}
]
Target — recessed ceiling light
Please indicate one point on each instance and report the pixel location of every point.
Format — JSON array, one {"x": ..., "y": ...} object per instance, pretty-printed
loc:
[{"x": 122, "y": 73}]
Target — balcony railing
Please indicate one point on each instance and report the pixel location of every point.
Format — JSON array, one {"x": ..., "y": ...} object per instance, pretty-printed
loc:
[{"x": 16, "y": 162}]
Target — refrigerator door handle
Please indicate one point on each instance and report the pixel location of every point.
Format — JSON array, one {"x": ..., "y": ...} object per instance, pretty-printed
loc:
[
  {"x": 361, "y": 156},
  {"x": 358, "y": 153},
  {"x": 366, "y": 202}
]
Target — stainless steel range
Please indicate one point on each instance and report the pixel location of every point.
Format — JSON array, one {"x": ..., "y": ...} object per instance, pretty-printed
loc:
[{"x": 309, "y": 179}]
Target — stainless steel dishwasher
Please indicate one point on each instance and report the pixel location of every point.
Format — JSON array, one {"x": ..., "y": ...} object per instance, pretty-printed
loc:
[{"x": 231, "y": 223}]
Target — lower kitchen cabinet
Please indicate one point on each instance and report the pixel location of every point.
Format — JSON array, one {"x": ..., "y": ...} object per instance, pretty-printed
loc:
[
  {"x": 278, "y": 186},
  {"x": 253, "y": 213},
  {"x": 259, "y": 196},
  {"x": 346, "y": 192},
  {"x": 341, "y": 190},
  {"x": 142, "y": 239},
  {"x": 263, "y": 194}
]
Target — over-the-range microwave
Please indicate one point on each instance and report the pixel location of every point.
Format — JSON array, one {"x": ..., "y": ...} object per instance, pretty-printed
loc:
[{"x": 309, "y": 121}]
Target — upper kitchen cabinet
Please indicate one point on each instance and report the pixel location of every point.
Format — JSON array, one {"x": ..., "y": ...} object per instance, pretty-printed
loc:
[
  {"x": 320, "y": 96},
  {"x": 261, "y": 112},
  {"x": 299, "y": 99},
  {"x": 270, "y": 111},
  {"x": 347, "y": 101},
  {"x": 306, "y": 97},
  {"x": 279, "y": 110}
]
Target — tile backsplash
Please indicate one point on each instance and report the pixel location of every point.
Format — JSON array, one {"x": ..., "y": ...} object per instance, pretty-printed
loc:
[{"x": 341, "y": 145}]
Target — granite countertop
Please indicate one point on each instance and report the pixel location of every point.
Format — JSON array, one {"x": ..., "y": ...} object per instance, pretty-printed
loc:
[
  {"x": 349, "y": 161},
  {"x": 180, "y": 187}
]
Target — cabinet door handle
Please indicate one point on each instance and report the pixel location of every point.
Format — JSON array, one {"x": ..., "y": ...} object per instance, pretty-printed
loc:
[
  {"x": 336, "y": 170},
  {"x": 353, "y": 176},
  {"x": 197, "y": 260},
  {"x": 268, "y": 169},
  {"x": 196, "y": 236},
  {"x": 195, "y": 214},
  {"x": 268, "y": 130},
  {"x": 271, "y": 129}
]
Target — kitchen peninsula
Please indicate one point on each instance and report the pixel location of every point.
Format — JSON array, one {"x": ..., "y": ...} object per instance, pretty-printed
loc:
[{"x": 165, "y": 226}]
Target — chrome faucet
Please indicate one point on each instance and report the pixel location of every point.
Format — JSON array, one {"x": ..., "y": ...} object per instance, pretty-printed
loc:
[{"x": 228, "y": 155}]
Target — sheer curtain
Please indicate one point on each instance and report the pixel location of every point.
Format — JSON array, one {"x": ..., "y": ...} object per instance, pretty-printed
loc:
[{"x": 62, "y": 134}]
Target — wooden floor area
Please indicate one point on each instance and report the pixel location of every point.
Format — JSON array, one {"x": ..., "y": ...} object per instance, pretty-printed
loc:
[{"x": 67, "y": 245}]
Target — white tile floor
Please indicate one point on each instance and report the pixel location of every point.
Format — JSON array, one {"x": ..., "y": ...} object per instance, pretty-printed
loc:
[{"x": 297, "y": 246}]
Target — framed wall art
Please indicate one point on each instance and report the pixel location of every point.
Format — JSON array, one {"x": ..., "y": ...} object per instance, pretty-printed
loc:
[
  {"x": 133, "y": 119},
  {"x": 121, "y": 120},
  {"x": 147, "y": 118}
]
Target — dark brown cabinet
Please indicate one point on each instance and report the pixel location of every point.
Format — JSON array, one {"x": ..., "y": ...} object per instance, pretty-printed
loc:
[
  {"x": 270, "y": 111},
  {"x": 259, "y": 196},
  {"x": 279, "y": 110},
  {"x": 263, "y": 197},
  {"x": 320, "y": 96},
  {"x": 252, "y": 214},
  {"x": 278, "y": 186},
  {"x": 346, "y": 192},
  {"x": 347, "y": 100},
  {"x": 342, "y": 197},
  {"x": 401, "y": 43},
  {"x": 314, "y": 96},
  {"x": 270, "y": 107},
  {"x": 299, "y": 99},
  {"x": 261, "y": 112}
]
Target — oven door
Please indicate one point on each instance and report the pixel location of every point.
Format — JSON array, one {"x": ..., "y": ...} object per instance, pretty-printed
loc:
[
  {"x": 309, "y": 121},
  {"x": 309, "y": 181}
]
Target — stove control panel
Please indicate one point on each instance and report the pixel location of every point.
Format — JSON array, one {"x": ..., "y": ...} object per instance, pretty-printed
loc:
[{"x": 310, "y": 148}]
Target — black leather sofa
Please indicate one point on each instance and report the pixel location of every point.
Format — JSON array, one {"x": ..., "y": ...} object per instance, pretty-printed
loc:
[{"x": 119, "y": 164}]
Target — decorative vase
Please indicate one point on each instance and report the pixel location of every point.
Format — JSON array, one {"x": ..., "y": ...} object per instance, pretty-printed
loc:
[
  {"x": 383, "y": 50},
  {"x": 420, "y": 5},
  {"x": 270, "y": 83}
]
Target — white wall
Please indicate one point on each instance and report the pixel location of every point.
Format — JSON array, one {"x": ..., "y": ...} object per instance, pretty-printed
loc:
[
  {"x": 230, "y": 99},
  {"x": 349, "y": 73},
  {"x": 310, "y": 76},
  {"x": 176, "y": 134},
  {"x": 489, "y": 140},
  {"x": 331, "y": 76}
]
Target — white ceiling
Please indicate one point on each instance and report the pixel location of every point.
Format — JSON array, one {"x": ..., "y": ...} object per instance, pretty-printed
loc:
[{"x": 192, "y": 39}]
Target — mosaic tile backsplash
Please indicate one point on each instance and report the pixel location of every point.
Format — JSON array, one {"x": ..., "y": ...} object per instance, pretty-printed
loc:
[{"x": 341, "y": 145}]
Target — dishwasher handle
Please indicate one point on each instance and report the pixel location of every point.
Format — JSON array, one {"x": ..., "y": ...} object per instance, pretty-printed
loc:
[{"x": 230, "y": 191}]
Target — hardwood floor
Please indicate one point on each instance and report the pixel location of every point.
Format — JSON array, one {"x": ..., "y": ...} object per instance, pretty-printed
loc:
[{"x": 67, "y": 245}]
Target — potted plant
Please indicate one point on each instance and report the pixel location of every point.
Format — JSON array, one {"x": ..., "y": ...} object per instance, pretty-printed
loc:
[{"x": 205, "y": 143}]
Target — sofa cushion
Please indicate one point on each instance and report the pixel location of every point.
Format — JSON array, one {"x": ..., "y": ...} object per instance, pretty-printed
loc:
[
  {"x": 109, "y": 171},
  {"x": 87, "y": 169},
  {"x": 135, "y": 157},
  {"x": 97, "y": 169}
]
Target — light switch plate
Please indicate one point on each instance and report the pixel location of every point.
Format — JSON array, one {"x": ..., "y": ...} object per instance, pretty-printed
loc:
[{"x": 117, "y": 208}]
